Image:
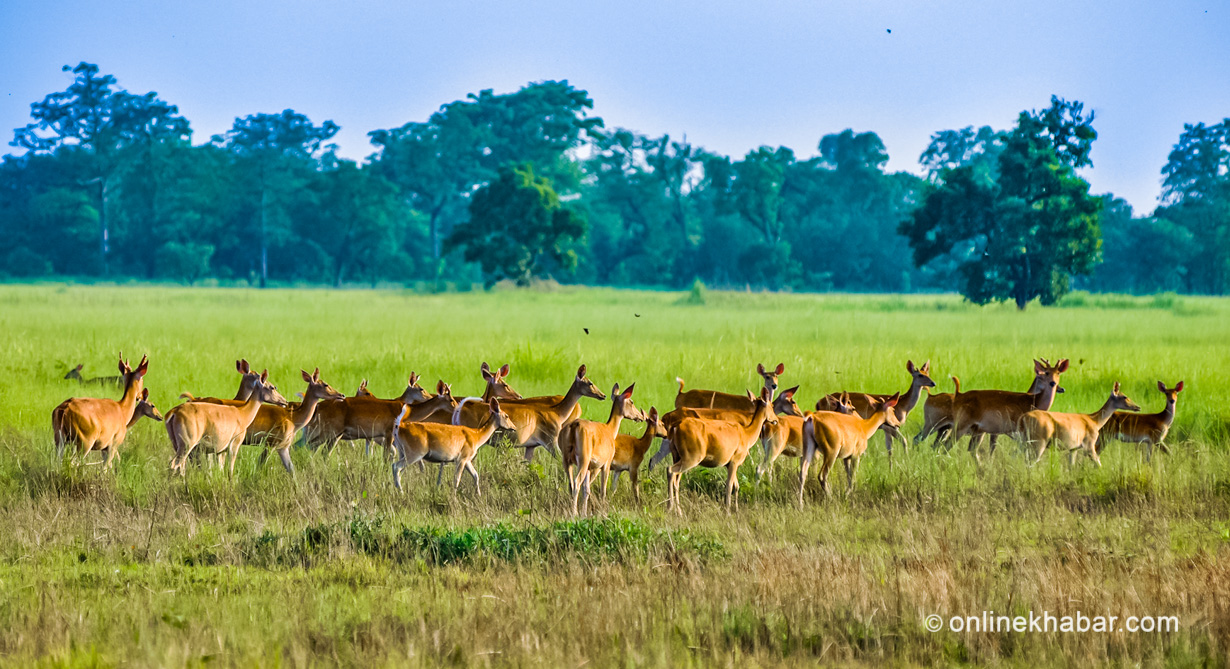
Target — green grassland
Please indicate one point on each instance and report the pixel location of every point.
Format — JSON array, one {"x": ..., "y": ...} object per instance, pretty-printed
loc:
[{"x": 137, "y": 568}]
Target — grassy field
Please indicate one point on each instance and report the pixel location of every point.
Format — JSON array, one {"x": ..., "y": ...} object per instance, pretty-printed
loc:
[{"x": 136, "y": 568}]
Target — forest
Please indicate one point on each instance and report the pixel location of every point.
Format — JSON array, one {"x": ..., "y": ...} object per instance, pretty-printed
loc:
[{"x": 530, "y": 185}]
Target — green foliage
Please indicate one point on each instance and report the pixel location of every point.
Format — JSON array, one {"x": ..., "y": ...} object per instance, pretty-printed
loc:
[
  {"x": 184, "y": 262},
  {"x": 1022, "y": 232},
  {"x": 1196, "y": 197},
  {"x": 518, "y": 229}
]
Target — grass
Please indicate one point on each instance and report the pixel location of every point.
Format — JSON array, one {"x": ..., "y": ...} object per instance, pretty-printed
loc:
[{"x": 137, "y": 568}]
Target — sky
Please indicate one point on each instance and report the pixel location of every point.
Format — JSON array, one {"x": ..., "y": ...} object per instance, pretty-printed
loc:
[{"x": 730, "y": 76}]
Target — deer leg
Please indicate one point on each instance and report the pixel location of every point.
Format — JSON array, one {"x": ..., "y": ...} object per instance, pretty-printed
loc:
[
  {"x": 529, "y": 453},
  {"x": 615, "y": 481},
  {"x": 439, "y": 474},
  {"x": 888, "y": 445},
  {"x": 825, "y": 469},
  {"x": 108, "y": 457},
  {"x": 633, "y": 477},
  {"x": 606, "y": 481},
  {"x": 577, "y": 491},
  {"x": 664, "y": 451},
  {"x": 284, "y": 454}
]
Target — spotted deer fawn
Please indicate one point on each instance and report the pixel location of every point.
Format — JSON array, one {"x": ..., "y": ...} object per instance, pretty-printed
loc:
[
  {"x": 436, "y": 442},
  {"x": 833, "y": 436},
  {"x": 589, "y": 447},
  {"x": 920, "y": 377},
  {"x": 1071, "y": 431},
  {"x": 716, "y": 443},
  {"x": 1149, "y": 429},
  {"x": 712, "y": 399},
  {"x": 100, "y": 424}
]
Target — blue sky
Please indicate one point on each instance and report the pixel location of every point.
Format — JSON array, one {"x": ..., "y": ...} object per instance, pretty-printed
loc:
[{"x": 729, "y": 75}]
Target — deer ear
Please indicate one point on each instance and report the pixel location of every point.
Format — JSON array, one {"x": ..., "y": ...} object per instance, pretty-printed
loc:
[
  {"x": 615, "y": 390},
  {"x": 484, "y": 368},
  {"x": 781, "y": 368},
  {"x": 750, "y": 396},
  {"x": 581, "y": 372},
  {"x": 264, "y": 375},
  {"x": 80, "y": 367},
  {"x": 628, "y": 391},
  {"x": 495, "y": 405},
  {"x": 1038, "y": 366},
  {"x": 1161, "y": 386},
  {"x": 760, "y": 369},
  {"x": 247, "y": 366},
  {"x": 1062, "y": 366},
  {"x": 306, "y": 377},
  {"x": 653, "y": 413},
  {"x": 239, "y": 366},
  {"x": 316, "y": 374},
  {"x": 1115, "y": 388},
  {"x": 505, "y": 370},
  {"x": 789, "y": 392},
  {"x": 145, "y": 393},
  {"x": 413, "y": 380},
  {"x": 909, "y": 366},
  {"x": 1179, "y": 387},
  {"x": 926, "y": 368},
  {"x": 440, "y": 387}
]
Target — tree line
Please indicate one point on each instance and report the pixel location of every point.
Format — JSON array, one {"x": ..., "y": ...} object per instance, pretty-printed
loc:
[{"x": 530, "y": 184}]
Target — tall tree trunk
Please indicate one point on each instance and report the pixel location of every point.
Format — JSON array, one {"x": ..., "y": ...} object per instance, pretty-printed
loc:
[
  {"x": 263, "y": 242},
  {"x": 105, "y": 232}
]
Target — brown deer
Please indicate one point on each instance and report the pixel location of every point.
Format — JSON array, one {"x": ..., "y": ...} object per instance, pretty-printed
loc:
[
  {"x": 99, "y": 424},
  {"x": 370, "y": 418},
  {"x": 276, "y": 426},
  {"x": 712, "y": 399},
  {"x": 784, "y": 405},
  {"x": 920, "y": 377},
  {"x": 1071, "y": 431},
  {"x": 630, "y": 452},
  {"x": 474, "y": 414},
  {"x": 75, "y": 374},
  {"x": 144, "y": 409},
  {"x": 435, "y": 442},
  {"x": 938, "y": 413},
  {"x": 362, "y": 390},
  {"x": 977, "y": 413},
  {"x": 786, "y": 438},
  {"x": 589, "y": 446},
  {"x": 221, "y": 427},
  {"x": 538, "y": 423},
  {"x": 833, "y": 436},
  {"x": 716, "y": 443},
  {"x": 1149, "y": 429}
]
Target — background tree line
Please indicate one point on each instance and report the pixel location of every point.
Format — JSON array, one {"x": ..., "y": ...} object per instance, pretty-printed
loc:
[{"x": 530, "y": 184}]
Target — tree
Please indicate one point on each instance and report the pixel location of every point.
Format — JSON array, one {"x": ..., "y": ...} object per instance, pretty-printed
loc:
[
  {"x": 518, "y": 229},
  {"x": 1024, "y": 230},
  {"x": 354, "y": 220},
  {"x": 94, "y": 116},
  {"x": 1140, "y": 254},
  {"x": 281, "y": 150},
  {"x": 1196, "y": 197}
]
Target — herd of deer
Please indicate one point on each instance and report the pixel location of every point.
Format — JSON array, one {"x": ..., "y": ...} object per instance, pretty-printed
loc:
[{"x": 706, "y": 428}]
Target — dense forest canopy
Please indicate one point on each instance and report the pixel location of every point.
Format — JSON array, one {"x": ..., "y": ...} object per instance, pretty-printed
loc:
[{"x": 529, "y": 184}]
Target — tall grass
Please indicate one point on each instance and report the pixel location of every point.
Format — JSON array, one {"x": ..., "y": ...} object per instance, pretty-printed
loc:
[{"x": 135, "y": 567}]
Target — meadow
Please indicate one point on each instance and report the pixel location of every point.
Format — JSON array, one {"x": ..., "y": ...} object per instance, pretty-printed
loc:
[{"x": 137, "y": 568}]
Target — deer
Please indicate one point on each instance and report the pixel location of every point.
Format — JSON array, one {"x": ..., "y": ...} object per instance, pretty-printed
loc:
[
  {"x": 90, "y": 423},
  {"x": 938, "y": 414},
  {"x": 338, "y": 419},
  {"x": 920, "y": 377},
  {"x": 589, "y": 446},
  {"x": 834, "y": 436},
  {"x": 1149, "y": 429},
  {"x": 276, "y": 426},
  {"x": 435, "y": 442},
  {"x": 630, "y": 452},
  {"x": 712, "y": 399},
  {"x": 1071, "y": 431},
  {"x": 786, "y": 438},
  {"x": 362, "y": 391},
  {"x": 784, "y": 405},
  {"x": 474, "y": 413},
  {"x": 144, "y": 409},
  {"x": 221, "y": 426},
  {"x": 977, "y": 413},
  {"x": 75, "y": 374},
  {"x": 538, "y": 423},
  {"x": 716, "y": 443}
]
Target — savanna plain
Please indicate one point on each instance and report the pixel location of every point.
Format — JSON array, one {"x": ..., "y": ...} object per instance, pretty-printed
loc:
[{"x": 135, "y": 567}]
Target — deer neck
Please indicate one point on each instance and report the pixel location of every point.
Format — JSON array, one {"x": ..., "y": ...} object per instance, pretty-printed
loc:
[
  {"x": 1101, "y": 416},
  {"x": 643, "y": 442},
  {"x": 303, "y": 415},
  {"x": 251, "y": 406},
  {"x": 570, "y": 400},
  {"x": 128, "y": 401},
  {"x": 133, "y": 421},
  {"x": 1168, "y": 413},
  {"x": 758, "y": 421},
  {"x": 1045, "y": 399},
  {"x": 910, "y": 399},
  {"x": 873, "y": 422},
  {"x": 244, "y": 392},
  {"x": 484, "y": 433}
]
